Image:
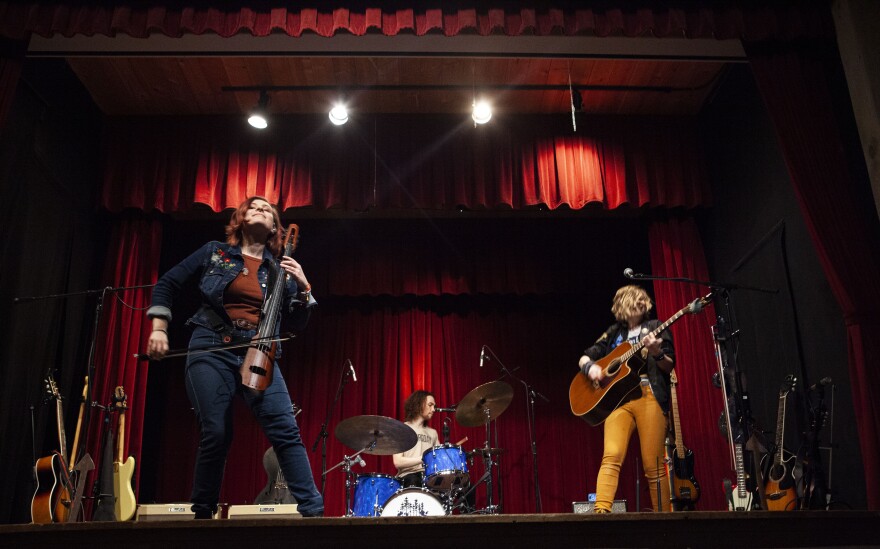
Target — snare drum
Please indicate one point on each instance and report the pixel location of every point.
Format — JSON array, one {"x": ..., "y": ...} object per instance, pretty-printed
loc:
[
  {"x": 413, "y": 502},
  {"x": 445, "y": 467},
  {"x": 371, "y": 493}
]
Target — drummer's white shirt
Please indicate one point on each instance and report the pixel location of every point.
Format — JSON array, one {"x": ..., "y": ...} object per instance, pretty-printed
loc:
[{"x": 427, "y": 439}]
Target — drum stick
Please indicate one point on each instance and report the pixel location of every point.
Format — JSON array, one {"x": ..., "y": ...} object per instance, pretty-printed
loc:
[{"x": 462, "y": 441}]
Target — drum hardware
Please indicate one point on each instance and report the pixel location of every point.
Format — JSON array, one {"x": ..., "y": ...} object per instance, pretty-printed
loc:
[
  {"x": 376, "y": 435},
  {"x": 530, "y": 420}
]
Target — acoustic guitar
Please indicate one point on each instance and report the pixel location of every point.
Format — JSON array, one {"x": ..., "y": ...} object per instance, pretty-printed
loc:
[
  {"x": 779, "y": 489},
  {"x": 594, "y": 401},
  {"x": 51, "y": 501},
  {"x": 685, "y": 489},
  {"x": 126, "y": 504}
]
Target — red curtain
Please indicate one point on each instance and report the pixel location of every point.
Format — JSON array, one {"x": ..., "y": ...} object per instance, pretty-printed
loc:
[
  {"x": 756, "y": 22},
  {"x": 134, "y": 247},
  {"x": 830, "y": 183},
  {"x": 676, "y": 251},
  {"x": 402, "y": 338},
  {"x": 400, "y": 162}
]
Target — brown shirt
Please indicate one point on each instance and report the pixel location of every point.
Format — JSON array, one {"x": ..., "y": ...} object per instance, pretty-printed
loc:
[{"x": 243, "y": 297}]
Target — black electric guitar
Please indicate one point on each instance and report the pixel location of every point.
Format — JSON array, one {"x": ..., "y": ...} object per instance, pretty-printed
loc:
[
  {"x": 685, "y": 489},
  {"x": 594, "y": 401},
  {"x": 51, "y": 501},
  {"x": 780, "y": 491}
]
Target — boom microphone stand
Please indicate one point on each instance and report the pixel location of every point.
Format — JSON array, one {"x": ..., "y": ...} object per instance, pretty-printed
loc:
[
  {"x": 725, "y": 339},
  {"x": 91, "y": 366},
  {"x": 322, "y": 436},
  {"x": 530, "y": 419}
]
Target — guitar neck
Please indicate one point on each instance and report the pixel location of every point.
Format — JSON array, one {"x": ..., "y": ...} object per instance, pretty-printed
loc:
[
  {"x": 120, "y": 443},
  {"x": 740, "y": 471},
  {"x": 680, "y": 448},
  {"x": 62, "y": 438},
  {"x": 780, "y": 427},
  {"x": 638, "y": 346}
]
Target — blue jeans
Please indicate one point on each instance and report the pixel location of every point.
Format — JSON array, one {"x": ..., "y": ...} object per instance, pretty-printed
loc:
[{"x": 212, "y": 380}]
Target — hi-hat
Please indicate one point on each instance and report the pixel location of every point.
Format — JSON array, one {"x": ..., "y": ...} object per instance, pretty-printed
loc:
[
  {"x": 377, "y": 435},
  {"x": 483, "y": 404}
]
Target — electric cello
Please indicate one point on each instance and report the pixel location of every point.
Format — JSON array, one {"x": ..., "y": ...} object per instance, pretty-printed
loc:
[{"x": 256, "y": 370}]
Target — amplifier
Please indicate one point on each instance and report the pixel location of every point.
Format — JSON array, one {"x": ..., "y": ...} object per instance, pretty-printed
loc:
[
  {"x": 266, "y": 510},
  {"x": 619, "y": 506},
  {"x": 164, "y": 511}
]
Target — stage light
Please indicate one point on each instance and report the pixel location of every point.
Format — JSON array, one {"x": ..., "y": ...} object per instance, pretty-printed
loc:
[
  {"x": 482, "y": 112},
  {"x": 339, "y": 114},
  {"x": 258, "y": 116}
]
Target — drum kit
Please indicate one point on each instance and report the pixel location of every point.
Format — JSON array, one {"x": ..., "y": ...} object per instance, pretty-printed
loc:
[{"x": 447, "y": 484}]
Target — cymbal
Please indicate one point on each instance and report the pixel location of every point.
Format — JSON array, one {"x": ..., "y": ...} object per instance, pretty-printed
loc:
[
  {"x": 389, "y": 435},
  {"x": 483, "y": 404}
]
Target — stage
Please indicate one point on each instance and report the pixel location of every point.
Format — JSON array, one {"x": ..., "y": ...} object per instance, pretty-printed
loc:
[{"x": 687, "y": 529}]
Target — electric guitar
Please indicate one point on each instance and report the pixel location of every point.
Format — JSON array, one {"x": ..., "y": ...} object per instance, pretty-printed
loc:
[
  {"x": 738, "y": 498},
  {"x": 126, "y": 504},
  {"x": 685, "y": 489},
  {"x": 780, "y": 487},
  {"x": 594, "y": 401},
  {"x": 51, "y": 501}
]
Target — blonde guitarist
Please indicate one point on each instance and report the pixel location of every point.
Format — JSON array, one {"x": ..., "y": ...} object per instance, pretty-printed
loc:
[
  {"x": 641, "y": 408},
  {"x": 126, "y": 504}
]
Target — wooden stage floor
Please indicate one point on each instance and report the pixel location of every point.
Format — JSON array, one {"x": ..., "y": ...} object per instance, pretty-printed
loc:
[{"x": 545, "y": 531}]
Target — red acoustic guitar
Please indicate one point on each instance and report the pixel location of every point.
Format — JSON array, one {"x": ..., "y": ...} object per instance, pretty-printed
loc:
[
  {"x": 51, "y": 501},
  {"x": 595, "y": 401}
]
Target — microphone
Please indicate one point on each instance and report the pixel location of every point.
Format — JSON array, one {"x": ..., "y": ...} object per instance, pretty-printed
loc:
[
  {"x": 354, "y": 376},
  {"x": 452, "y": 409},
  {"x": 629, "y": 273},
  {"x": 445, "y": 432},
  {"x": 360, "y": 460},
  {"x": 821, "y": 383},
  {"x": 483, "y": 356}
]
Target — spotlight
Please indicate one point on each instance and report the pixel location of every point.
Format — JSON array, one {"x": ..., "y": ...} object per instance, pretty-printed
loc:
[
  {"x": 482, "y": 112},
  {"x": 258, "y": 115},
  {"x": 339, "y": 114}
]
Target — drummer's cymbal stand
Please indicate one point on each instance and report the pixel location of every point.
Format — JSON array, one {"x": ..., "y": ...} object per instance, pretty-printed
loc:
[
  {"x": 491, "y": 508},
  {"x": 349, "y": 474}
]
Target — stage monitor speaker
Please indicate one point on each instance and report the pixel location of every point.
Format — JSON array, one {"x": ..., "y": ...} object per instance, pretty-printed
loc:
[
  {"x": 265, "y": 510},
  {"x": 619, "y": 506},
  {"x": 164, "y": 511}
]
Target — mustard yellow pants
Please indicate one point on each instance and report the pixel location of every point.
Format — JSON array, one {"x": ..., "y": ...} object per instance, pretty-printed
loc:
[{"x": 643, "y": 414}]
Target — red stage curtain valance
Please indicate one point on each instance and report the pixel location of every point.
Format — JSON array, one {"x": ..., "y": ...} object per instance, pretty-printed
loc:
[
  {"x": 399, "y": 162},
  {"x": 750, "y": 21}
]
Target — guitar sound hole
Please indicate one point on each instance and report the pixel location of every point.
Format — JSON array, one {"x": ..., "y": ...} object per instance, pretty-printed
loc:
[
  {"x": 257, "y": 370},
  {"x": 612, "y": 368}
]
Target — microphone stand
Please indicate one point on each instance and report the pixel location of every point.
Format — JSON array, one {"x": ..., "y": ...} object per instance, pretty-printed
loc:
[
  {"x": 530, "y": 419},
  {"x": 322, "y": 436},
  {"x": 725, "y": 336},
  {"x": 91, "y": 367}
]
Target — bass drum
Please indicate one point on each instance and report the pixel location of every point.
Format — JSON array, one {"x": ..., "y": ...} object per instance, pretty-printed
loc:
[{"x": 413, "y": 502}]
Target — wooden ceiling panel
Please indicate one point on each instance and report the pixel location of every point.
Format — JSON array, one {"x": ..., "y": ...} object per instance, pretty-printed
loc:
[{"x": 194, "y": 85}]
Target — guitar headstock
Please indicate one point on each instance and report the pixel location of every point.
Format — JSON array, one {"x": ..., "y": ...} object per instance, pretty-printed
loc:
[
  {"x": 52, "y": 388},
  {"x": 291, "y": 240},
  {"x": 672, "y": 379},
  {"x": 697, "y": 305},
  {"x": 120, "y": 399},
  {"x": 787, "y": 385}
]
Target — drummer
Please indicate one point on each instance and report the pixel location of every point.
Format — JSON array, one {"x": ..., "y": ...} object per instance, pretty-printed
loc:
[{"x": 418, "y": 408}]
